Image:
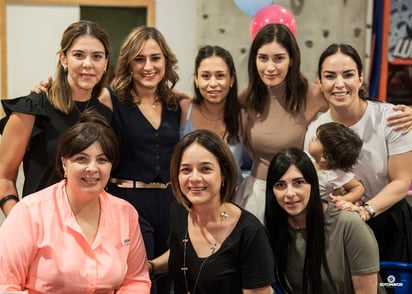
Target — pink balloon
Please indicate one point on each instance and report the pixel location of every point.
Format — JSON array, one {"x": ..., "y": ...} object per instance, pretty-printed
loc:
[{"x": 272, "y": 14}]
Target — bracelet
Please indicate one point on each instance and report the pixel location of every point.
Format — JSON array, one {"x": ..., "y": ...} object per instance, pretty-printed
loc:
[
  {"x": 7, "y": 198},
  {"x": 152, "y": 269},
  {"x": 369, "y": 209}
]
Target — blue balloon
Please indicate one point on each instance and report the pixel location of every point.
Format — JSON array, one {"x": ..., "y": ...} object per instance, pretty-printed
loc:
[{"x": 251, "y": 7}]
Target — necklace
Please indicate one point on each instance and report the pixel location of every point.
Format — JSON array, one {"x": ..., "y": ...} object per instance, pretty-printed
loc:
[
  {"x": 213, "y": 247},
  {"x": 155, "y": 103},
  {"x": 207, "y": 118},
  {"x": 184, "y": 268},
  {"x": 81, "y": 102},
  {"x": 138, "y": 100}
]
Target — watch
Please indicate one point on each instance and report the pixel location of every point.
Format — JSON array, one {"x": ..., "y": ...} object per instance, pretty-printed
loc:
[{"x": 369, "y": 209}]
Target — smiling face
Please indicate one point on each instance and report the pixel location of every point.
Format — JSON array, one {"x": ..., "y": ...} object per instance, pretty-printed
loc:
[
  {"x": 87, "y": 171},
  {"x": 292, "y": 192},
  {"x": 85, "y": 62},
  {"x": 199, "y": 176},
  {"x": 272, "y": 63},
  {"x": 213, "y": 79},
  {"x": 149, "y": 66},
  {"x": 340, "y": 80}
]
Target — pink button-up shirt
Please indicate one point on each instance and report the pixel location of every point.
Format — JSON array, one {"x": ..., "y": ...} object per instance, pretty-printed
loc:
[{"x": 43, "y": 249}]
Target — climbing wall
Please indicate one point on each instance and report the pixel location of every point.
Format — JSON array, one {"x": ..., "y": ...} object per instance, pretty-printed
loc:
[{"x": 319, "y": 23}]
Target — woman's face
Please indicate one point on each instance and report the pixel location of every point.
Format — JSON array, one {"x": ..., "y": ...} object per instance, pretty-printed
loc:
[
  {"x": 292, "y": 192},
  {"x": 85, "y": 62},
  {"x": 213, "y": 79},
  {"x": 340, "y": 80},
  {"x": 272, "y": 63},
  {"x": 200, "y": 177},
  {"x": 149, "y": 66},
  {"x": 88, "y": 170}
]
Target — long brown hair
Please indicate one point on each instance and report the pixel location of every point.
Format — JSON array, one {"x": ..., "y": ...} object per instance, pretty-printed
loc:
[
  {"x": 131, "y": 47},
  {"x": 59, "y": 94},
  {"x": 296, "y": 82},
  {"x": 232, "y": 105}
]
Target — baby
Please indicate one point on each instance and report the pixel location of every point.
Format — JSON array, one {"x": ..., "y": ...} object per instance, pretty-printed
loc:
[{"x": 336, "y": 149}]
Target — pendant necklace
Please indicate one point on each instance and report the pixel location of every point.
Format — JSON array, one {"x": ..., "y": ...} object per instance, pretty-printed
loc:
[
  {"x": 81, "y": 102},
  {"x": 184, "y": 269},
  {"x": 213, "y": 247}
]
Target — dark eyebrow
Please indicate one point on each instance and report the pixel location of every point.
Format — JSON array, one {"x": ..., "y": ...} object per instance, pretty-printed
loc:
[
  {"x": 346, "y": 71},
  {"x": 83, "y": 51}
]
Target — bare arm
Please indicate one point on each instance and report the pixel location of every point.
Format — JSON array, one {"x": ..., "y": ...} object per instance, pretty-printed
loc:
[
  {"x": 181, "y": 94},
  {"x": 184, "y": 105},
  {"x": 264, "y": 290},
  {"x": 400, "y": 177},
  {"x": 354, "y": 190},
  {"x": 159, "y": 265},
  {"x": 401, "y": 120},
  {"x": 14, "y": 141},
  {"x": 365, "y": 284},
  {"x": 243, "y": 123}
]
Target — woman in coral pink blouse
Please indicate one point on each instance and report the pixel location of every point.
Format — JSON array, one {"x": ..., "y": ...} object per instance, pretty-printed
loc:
[{"x": 73, "y": 237}]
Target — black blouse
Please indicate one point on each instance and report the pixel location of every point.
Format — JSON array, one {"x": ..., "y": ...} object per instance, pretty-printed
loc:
[{"x": 50, "y": 124}]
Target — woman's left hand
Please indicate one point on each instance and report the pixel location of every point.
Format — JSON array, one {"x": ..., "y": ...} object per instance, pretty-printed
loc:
[
  {"x": 401, "y": 120},
  {"x": 344, "y": 205},
  {"x": 356, "y": 207}
]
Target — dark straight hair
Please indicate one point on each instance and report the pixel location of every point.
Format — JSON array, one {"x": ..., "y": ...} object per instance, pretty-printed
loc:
[
  {"x": 232, "y": 105},
  {"x": 277, "y": 223}
]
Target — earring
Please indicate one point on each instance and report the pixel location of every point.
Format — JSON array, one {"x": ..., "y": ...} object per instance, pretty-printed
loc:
[{"x": 65, "y": 69}]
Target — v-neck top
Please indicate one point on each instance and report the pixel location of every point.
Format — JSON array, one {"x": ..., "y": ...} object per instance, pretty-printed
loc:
[{"x": 145, "y": 152}]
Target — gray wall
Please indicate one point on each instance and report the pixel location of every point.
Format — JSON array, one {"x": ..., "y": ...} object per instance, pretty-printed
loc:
[{"x": 319, "y": 23}]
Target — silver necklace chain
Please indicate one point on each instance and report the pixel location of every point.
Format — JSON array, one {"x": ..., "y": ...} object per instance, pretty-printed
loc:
[
  {"x": 213, "y": 247},
  {"x": 77, "y": 107},
  {"x": 184, "y": 269}
]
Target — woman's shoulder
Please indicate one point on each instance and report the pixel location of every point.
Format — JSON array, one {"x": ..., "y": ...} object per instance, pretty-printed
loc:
[
  {"x": 185, "y": 104},
  {"x": 31, "y": 104},
  {"x": 106, "y": 97},
  {"x": 249, "y": 222},
  {"x": 243, "y": 98},
  {"x": 315, "y": 100},
  {"x": 381, "y": 108},
  {"x": 344, "y": 218},
  {"x": 114, "y": 203}
]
